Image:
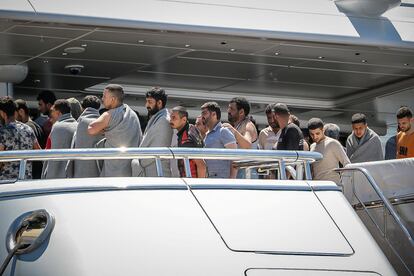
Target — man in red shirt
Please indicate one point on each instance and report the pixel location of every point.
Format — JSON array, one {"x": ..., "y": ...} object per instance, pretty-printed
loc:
[{"x": 187, "y": 136}]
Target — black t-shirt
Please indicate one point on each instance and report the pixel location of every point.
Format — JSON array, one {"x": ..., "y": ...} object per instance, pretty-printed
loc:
[
  {"x": 38, "y": 131},
  {"x": 291, "y": 138}
]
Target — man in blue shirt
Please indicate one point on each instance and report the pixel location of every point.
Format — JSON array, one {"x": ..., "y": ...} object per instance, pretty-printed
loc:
[{"x": 217, "y": 137}]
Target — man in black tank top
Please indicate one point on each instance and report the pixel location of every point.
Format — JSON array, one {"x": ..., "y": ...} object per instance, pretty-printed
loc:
[{"x": 291, "y": 137}]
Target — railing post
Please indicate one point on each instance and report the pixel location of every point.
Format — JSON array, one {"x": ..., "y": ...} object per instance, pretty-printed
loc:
[
  {"x": 187, "y": 167},
  {"x": 158, "y": 164},
  {"x": 308, "y": 171},
  {"x": 22, "y": 169},
  {"x": 282, "y": 170}
]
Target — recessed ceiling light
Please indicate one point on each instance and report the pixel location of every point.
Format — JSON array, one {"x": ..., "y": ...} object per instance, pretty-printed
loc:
[
  {"x": 36, "y": 81},
  {"x": 74, "y": 50},
  {"x": 84, "y": 45},
  {"x": 406, "y": 64},
  {"x": 141, "y": 41},
  {"x": 64, "y": 54},
  {"x": 276, "y": 54},
  {"x": 45, "y": 61},
  {"x": 364, "y": 61},
  {"x": 321, "y": 57},
  {"x": 232, "y": 50},
  {"x": 187, "y": 45}
]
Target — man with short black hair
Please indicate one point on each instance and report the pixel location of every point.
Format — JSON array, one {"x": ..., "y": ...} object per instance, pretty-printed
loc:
[
  {"x": 240, "y": 124},
  {"x": 291, "y": 137},
  {"x": 187, "y": 136},
  {"x": 22, "y": 115},
  {"x": 14, "y": 135},
  {"x": 45, "y": 99},
  {"x": 217, "y": 137},
  {"x": 60, "y": 137},
  {"x": 82, "y": 139},
  {"x": 121, "y": 128},
  {"x": 158, "y": 133},
  {"x": 405, "y": 137},
  {"x": 363, "y": 145},
  {"x": 332, "y": 151},
  {"x": 269, "y": 136}
]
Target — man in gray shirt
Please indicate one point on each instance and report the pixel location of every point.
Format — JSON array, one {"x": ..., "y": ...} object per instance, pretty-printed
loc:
[
  {"x": 217, "y": 137},
  {"x": 332, "y": 151},
  {"x": 158, "y": 133},
  {"x": 60, "y": 137},
  {"x": 121, "y": 128},
  {"x": 363, "y": 145},
  {"x": 82, "y": 139}
]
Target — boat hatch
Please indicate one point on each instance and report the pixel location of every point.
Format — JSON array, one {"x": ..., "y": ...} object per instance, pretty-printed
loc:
[{"x": 280, "y": 221}]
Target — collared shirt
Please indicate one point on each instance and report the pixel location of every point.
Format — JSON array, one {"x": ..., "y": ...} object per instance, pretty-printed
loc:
[
  {"x": 189, "y": 136},
  {"x": 16, "y": 136},
  {"x": 219, "y": 137}
]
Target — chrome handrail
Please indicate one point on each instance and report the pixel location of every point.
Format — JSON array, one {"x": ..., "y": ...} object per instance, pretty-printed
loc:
[
  {"x": 157, "y": 153},
  {"x": 401, "y": 223}
]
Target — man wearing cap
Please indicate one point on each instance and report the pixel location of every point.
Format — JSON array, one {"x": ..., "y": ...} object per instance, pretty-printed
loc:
[{"x": 291, "y": 137}]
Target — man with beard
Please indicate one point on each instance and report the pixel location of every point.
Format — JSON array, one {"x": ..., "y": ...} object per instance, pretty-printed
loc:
[
  {"x": 22, "y": 115},
  {"x": 121, "y": 128},
  {"x": 363, "y": 145},
  {"x": 405, "y": 137},
  {"x": 45, "y": 99},
  {"x": 158, "y": 133},
  {"x": 268, "y": 136},
  {"x": 187, "y": 136},
  {"x": 332, "y": 151},
  {"x": 217, "y": 137},
  {"x": 240, "y": 125}
]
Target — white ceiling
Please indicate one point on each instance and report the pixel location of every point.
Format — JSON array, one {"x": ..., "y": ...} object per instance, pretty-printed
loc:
[{"x": 306, "y": 75}]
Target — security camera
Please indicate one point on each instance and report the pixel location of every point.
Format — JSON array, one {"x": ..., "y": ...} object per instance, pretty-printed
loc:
[{"x": 74, "y": 69}]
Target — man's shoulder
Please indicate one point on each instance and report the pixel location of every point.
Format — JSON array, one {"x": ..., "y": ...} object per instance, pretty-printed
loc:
[{"x": 333, "y": 143}]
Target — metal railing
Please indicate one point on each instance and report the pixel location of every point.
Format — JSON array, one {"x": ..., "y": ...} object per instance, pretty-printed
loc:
[
  {"x": 280, "y": 158},
  {"x": 389, "y": 207}
]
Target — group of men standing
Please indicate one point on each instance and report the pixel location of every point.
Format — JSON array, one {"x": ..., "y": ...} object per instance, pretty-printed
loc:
[{"x": 119, "y": 126}]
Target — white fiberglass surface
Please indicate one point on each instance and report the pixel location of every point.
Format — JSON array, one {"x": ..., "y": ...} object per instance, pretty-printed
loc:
[
  {"x": 292, "y": 222},
  {"x": 297, "y": 272}
]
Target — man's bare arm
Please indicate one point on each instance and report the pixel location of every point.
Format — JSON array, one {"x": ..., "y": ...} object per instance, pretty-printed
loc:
[
  {"x": 99, "y": 125},
  {"x": 233, "y": 171},
  {"x": 201, "y": 168}
]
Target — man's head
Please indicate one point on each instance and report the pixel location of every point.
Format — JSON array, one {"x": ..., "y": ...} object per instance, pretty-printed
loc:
[
  {"x": 46, "y": 99},
  {"x": 156, "y": 99},
  {"x": 22, "y": 111},
  {"x": 211, "y": 114},
  {"x": 238, "y": 109},
  {"x": 200, "y": 125},
  {"x": 270, "y": 118},
  {"x": 113, "y": 96},
  {"x": 178, "y": 117},
  {"x": 281, "y": 114},
  {"x": 315, "y": 126},
  {"x": 331, "y": 130},
  {"x": 359, "y": 124},
  {"x": 294, "y": 120},
  {"x": 91, "y": 101},
  {"x": 61, "y": 106},
  {"x": 404, "y": 117},
  {"x": 7, "y": 108}
]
